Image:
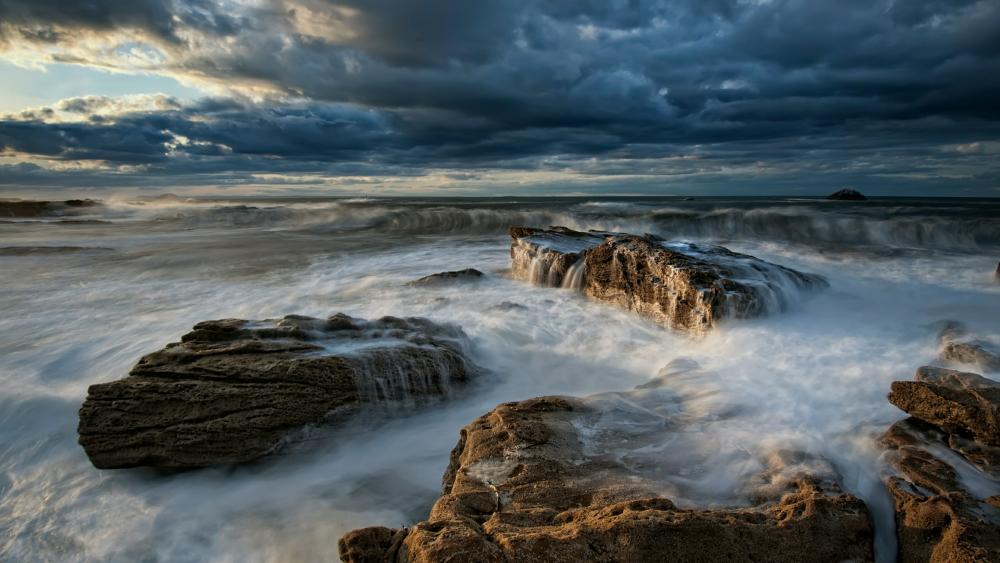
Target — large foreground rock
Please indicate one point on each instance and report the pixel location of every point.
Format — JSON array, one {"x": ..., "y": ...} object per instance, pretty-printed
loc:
[
  {"x": 680, "y": 285},
  {"x": 947, "y": 487},
  {"x": 938, "y": 519},
  {"x": 537, "y": 481},
  {"x": 957, "y": 402},
  {"x": 234, "y": 390}
]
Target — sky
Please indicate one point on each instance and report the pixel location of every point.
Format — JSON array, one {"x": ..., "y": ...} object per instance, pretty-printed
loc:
[{"x": 500, "y": 97}]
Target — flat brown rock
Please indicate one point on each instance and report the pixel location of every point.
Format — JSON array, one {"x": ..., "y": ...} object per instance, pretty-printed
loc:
[
  {"x": 680, "y": 285},
  {"x": 523, "y": 486},
  {"x": 958, "y": 402},
  {"x": 234, "y": 390}
]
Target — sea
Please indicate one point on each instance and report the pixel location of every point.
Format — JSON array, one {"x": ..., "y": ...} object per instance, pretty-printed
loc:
[{"x": 85, "y": 291}]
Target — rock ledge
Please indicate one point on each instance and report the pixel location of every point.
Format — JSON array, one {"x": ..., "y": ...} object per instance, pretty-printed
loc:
[{"x": 234, "y": 390}]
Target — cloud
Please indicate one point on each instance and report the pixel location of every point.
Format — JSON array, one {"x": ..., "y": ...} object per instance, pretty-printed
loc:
[{"x": 764, "y": 87}]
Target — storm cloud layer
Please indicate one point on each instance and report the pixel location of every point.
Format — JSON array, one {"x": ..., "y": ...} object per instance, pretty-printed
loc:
[{"x": 788, "y": 96}]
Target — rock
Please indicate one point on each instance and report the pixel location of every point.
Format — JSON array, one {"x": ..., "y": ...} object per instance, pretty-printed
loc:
[
  {"x": 509, "y": 306},
  {"x": 371, "y": 545},
  {"x": 524, "y": 484},
  {"x": 847, "y": 194},
  {"x": 973, "y": 354},
  {"x": 468, "y": 274},
  {"x": 680, "y": 285},
  {"x": 49, "y": 250},
  {"x": 958, "y": 347},
  {"x": 958, "y": 402},
  {"x": 23, "y": 209},
  {"x": 951, "y": 331},
  {"x": 233, "y": 390},
  {"x": 937, "y": 518}
]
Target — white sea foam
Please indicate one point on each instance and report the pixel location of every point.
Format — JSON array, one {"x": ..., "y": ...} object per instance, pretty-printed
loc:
[{"x": 813, "y": 378}]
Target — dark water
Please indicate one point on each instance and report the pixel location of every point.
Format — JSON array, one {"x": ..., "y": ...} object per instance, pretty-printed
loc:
[{"x": 89, "y": 290}]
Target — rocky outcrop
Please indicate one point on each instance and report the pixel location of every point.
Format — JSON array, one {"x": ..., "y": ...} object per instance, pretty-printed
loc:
[
  {"x": 972, "y": 354},
  {"x": 957, "y": 402},
  {"x": 235, "y": 390},
  {"x": 440, "y": 278},
  {"x": 958, "y": 347},
  {"x": 23, "y": 209},
  {"x": 947, "y": 487},
  {"x": 680, "y": 285},
  {"x": 535, "y": 481},
  {"x": 938, "y": 519},
  {"x": 847, "y": 194}
]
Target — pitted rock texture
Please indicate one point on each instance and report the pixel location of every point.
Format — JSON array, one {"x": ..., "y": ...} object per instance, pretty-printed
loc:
[
  {"x": 938, "y": 519},
  {"x": 680, "y": 285},
  {"x": 966, "y": 404},
  {"x": 234, "y": 390},
  {"x": 521, "y": 488}
]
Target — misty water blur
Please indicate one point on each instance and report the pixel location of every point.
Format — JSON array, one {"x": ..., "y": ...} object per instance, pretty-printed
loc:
[{"x": 143, "y": 272}]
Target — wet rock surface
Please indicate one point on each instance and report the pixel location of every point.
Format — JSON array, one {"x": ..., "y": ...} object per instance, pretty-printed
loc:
[
  {"x": 947, "y": 488},
  {"x": 680, "y": 285},
  {"x": 234, "y": 390},
  {"x": 847, "y": 194},
  {"x": 973, "y": 354},
  {"x": 957, "y": 402},
  {"x": 441, "y": 278},
  {"x": 957, "y": 347},
  {"x": 525, "y": 483},
  {"x": 938, "y": 519}
]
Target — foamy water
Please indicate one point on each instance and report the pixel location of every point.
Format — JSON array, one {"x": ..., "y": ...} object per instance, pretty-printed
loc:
[{"x": 813, "y": 378}]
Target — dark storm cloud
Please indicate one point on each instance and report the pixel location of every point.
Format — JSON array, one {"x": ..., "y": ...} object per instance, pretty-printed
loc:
[
  {"x": 208, "y": 128},
  {"x": 51, "y": 21},
  {"x": 518, "y": 84}
]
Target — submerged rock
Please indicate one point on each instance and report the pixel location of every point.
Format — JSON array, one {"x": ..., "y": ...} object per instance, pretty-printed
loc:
[
  {"x": 975, "y": 354},
  {"x": 958, "y": 402},
  {"x": 847, "y": 194},
  {"x": 468, "y": 274},
  {"x": 525, "y": 483},
  {"x": 235, "y": 390},
  {"x": 678, "y": 284},
  {"x": 957, "y": 346},
  {"x": 49, "y": 250}
]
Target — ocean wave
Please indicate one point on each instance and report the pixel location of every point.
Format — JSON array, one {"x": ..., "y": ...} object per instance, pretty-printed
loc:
[{"x": 894, "y": 226}]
